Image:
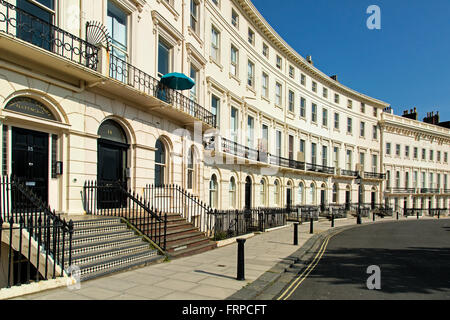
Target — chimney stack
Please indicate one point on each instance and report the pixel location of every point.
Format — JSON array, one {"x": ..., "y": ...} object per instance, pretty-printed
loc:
[{"x": 309, "y": 60}]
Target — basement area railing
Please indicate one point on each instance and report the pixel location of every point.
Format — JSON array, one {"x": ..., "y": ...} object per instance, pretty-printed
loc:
[
  {"x": 115, "y": 201},
  {"x": 232, "y": 223},
  {"x": 35, "y": 242}
]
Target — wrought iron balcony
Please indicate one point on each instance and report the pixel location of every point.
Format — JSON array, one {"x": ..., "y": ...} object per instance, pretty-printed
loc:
[
  {"x": 349, "y": 173},
  {"x": 22, "y": 25},
  {"x": 239, "y": 150},
  {"x": 429, "y": 190},
  {"x": 143, "y": 82},
  {"x": 374, "y": 175},
  {"x": 286, "y": 163},
  {"x": 400, "y": 190},
  {"x": 319, "y": 168}
]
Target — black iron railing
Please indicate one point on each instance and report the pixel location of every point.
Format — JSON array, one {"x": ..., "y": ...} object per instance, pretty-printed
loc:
[
  {"x": 42, "y": 239},
  {"x": 27, "y": 27},
  {"x": 400, "y": 190},
  {"x": 429, "y": 190},
  {"x": 143, "y": 82},
  {"x": 175, "y": 200},
  {"x": 286, "y": 163},
  {"x": 115, "y": 201},
  {"x": 349, "y": 173},
  {"x": 374, "y": 175},
  {"x": 319, "y": 168},
  {"x": 239, "y": 150},
  {"x": 232, "y": 223}
]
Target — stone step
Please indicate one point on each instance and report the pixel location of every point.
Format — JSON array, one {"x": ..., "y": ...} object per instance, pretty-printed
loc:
[
  {"x": 188, "y": 251},
  {"x": 105, "y": 245},
  {"x": 108, "y": 266},
  {"x": 185, "y": 243},
  {"x": 95, "y": 222},
  {"x": 91, "y": 257},
  {"x": 110, "y": 236}
]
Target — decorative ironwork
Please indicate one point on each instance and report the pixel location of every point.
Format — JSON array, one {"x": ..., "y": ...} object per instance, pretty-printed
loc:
[
  {"x": 131, "y": 207},
  {"x": 143, "y": 82},
  {"x": 97, "y": 33},
  {"x": 22, "y": 211},
  {"x": 21, "y": 24}
]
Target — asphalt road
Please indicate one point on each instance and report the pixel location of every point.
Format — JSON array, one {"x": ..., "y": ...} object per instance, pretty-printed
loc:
[{"x": 413, "y": 256}]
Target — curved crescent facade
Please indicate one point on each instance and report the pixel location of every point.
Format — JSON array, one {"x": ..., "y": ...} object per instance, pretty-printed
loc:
[{"x": 262, "y": 127}]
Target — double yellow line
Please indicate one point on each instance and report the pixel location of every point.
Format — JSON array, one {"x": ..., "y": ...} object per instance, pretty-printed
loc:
[{"x": 298, "y": 281}]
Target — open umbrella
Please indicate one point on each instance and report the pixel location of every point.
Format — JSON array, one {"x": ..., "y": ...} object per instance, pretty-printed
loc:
[{"x": 177, "y": 81}]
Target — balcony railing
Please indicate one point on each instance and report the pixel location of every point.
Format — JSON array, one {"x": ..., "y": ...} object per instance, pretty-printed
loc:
[
  {"x": 286, "y": 163},
  {"x": 374, "y": 175},
  {"x": 239, "y": 150},
  {"x": 21, "y": 24},
  {"x": 429, "y": 190},
  {"x": 319, "y": 168},
  {"x": 349, "y": 173},
  {"x": 143, "y": 82},
  {"x": 400, "y": 190}
]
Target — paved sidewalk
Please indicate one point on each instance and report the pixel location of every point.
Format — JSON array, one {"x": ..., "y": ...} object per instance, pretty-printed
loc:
[{"x": 207, "y": 276}]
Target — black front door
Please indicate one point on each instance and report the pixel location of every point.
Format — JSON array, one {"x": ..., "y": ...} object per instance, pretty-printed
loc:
[
  {"x": 30, "y": 161},
  {"x": 248, "y": 193},
  {"x": 288, "y": 197},
  {"x": 111, "y": 170},
  {"x": 347, "y": 200},
  {"x": 322, "y": 200},
  {"x": 372, "y": 201}
]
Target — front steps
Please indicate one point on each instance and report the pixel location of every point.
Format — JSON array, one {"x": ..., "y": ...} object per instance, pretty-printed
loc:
[
  {"x": 105, "y": 245},
  {"x": 183, "y": 239}
]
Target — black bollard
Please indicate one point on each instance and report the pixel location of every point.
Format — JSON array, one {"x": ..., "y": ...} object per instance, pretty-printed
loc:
[
  {"x": 373, "y": 216},
  {"x": 311, "y": 225},
  {"x": 295, "y": 233},
  {"x": 240, "y": 260},
  {"x": 397, "y": 215},
  {"x": 417, "y": 214},
  {"x": 332, "y": 219},
  {"x": 439, "y": 214}
]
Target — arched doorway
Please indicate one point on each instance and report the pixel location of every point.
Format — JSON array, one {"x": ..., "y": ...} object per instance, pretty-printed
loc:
[
  {"x": 289, "y": 194},
  {"x": 323, "y": 200},
  {"x": 30, "y": 149},
  {"x": 111, "y": 162},
  {"x": 248, "y": 193},
  {"x": 373, "y": 198},
  {"x": 347, "y": 197}
]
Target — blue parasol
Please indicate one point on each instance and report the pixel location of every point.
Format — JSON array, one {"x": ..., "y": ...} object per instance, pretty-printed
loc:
[{"x": 177, "y": 81}]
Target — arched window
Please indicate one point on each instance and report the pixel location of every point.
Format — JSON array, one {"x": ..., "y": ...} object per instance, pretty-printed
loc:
[
  {"x": 301, "y": 191},
  {"x": 213, "y": 191},
  {"x": 232, "y": 193},
  {"x": 277, "y": 192},
  {"x": 312, "y": 193},
  {"x": 160, "y": 163},
  {"x": 262, "y": 193},
  {"x": 190, "y": 169},
  {"x": 335, "y": 193}
]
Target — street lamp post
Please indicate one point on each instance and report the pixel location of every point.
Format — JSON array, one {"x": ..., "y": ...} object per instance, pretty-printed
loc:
[{"x": 358, "y": 181}]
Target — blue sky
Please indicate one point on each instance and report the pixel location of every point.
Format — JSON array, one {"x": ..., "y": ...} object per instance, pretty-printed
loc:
[{"x": 406, "y": 63}]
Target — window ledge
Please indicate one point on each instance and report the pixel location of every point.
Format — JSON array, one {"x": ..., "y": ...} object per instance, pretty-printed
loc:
[
  {"x": 170, "y": 8},
  {"x": 195, "y": 35},
  {"x": 265, "y": 98},
  {"x": 251, "y": 89},
  {"x": 211, "y": 59},
  {"x": 232, "y": 76}
]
